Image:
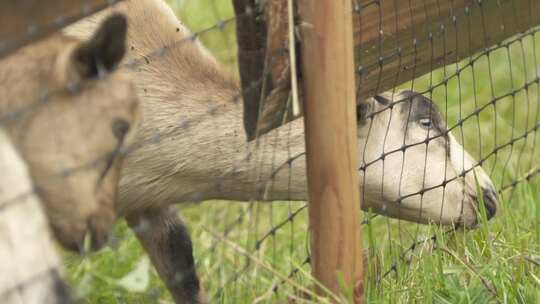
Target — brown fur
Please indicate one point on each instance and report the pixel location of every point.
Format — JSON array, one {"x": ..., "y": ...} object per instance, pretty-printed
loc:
[{"x": 62, "y": 136}]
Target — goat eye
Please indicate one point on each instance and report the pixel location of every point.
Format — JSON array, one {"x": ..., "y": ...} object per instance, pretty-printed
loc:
[
  {"x": 120, "y": 127},
  {"x": 426, "y": 123}
]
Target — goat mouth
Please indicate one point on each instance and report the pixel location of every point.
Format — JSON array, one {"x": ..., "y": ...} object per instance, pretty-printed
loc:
[
  {"x": 469, "y": 218},
  {"x": 68, "y": 243}
]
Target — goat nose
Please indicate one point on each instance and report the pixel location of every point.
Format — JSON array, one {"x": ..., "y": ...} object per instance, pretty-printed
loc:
[{"x": 490, "y": 202}]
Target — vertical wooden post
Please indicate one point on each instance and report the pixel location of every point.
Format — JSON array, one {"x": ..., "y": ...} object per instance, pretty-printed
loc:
[{"x": 331, "y": 143}]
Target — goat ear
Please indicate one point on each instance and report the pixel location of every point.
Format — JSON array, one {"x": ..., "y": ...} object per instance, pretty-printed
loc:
[
  {"x": 381, "y": 99},
  {"x": 363, "y": 109},
  {"x": 104, "y": 51}
]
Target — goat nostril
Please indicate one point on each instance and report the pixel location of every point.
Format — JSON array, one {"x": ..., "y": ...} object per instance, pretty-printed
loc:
[{"x": 490, "y": 202}]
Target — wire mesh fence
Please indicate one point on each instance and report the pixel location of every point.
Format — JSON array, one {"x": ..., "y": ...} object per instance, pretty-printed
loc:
[{"x": 429, "y": 149}]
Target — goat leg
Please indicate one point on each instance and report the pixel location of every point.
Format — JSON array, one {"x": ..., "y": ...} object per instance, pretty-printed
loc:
[{"x": 166, "y": 239}]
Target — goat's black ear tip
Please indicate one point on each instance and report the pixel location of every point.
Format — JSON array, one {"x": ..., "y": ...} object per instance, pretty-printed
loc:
[
  {"x": 114, "y": 28},
  {"x": 105, "y": 49},
  {"x": 381, "y": 99},
  {"x": 117, "y": 23}
]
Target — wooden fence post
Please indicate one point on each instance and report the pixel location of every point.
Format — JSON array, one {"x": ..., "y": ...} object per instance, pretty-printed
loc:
[{"x": 331, "y": 143}]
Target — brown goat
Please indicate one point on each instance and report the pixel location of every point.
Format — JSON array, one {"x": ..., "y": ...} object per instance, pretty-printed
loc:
[{"x": 69, "y": 114}]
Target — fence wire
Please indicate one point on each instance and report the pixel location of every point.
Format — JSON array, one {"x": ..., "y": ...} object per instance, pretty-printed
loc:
[{"x": 258, "y": 250}]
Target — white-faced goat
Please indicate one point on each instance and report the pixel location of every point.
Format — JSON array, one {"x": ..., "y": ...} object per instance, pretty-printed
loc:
[{"x": 206, "y": 159}]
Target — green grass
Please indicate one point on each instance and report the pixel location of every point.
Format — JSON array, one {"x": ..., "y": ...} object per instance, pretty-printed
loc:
[{"x": 498, "y": 263}]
